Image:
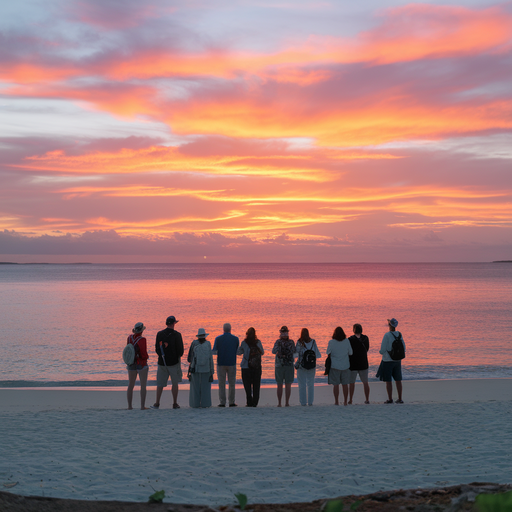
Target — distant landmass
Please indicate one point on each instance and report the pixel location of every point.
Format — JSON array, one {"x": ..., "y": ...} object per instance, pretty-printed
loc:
[
  {"x": 503, "y": 261},
  {"x": 44, "y": 263}
]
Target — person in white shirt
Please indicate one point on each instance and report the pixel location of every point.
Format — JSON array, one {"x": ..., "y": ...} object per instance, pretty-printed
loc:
[
  {"x": 339, "y": 349},
  {"x": 390, "y": 368}
]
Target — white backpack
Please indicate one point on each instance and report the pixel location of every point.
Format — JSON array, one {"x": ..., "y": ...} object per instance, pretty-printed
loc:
[
  {"x": 202, "y": 352},
  {"x": 129, "y": 352}
]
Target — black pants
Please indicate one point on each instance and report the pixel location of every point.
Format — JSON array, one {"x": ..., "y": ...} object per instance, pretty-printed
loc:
[{"x": 251, "y": 377}]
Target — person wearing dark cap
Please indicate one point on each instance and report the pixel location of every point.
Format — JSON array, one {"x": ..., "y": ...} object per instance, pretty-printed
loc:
[
  {"x": 391, "y": 365},
  {"x": 169, "y": 347},
  {"x": 139, "y": 366}
]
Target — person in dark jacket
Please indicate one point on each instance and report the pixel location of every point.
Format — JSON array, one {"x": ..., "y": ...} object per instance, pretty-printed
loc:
[
  {"x": 169, "y": 347},
  {"x": 359, "y": 362}
]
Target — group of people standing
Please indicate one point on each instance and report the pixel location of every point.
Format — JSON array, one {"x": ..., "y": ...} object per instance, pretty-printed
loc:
[{"x": 347, "y": 358}]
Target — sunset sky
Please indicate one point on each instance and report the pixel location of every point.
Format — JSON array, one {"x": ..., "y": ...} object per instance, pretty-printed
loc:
[{"x": 255, "y": 131}]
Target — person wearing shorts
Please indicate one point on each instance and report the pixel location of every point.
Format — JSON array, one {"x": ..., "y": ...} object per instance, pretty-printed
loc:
[
  {"x": 284, "y": 348},
  {"x": 139, "y": 366},
  {"x": 390, "y": 369},
  {"x": 169, "y": 347},
  {"x": 359, "y": 362},
  {"x": 339, "y": 348}
]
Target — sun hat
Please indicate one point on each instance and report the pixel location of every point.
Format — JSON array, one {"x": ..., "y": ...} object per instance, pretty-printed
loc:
[
  {"x": 284, "y": 329},
  {"x": 139, "y": 327},
  {"x": 171, "y": 320},
  {"x": 201, "y": 333},
  {"x": 393, "y": 322}
]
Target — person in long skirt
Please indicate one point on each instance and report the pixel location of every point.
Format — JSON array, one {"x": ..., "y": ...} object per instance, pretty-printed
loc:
[
  {"x": 252, "y": 350},
  {"x": 139, "y": 366},
  {"x": 306, "y": 367},
  {"x": 201, "y": 367}
]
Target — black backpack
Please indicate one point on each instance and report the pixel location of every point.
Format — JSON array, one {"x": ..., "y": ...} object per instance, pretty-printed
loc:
[
  {"x": 287, "y": 349},
  {"x": 397, "y": 351},
  {"x": 254, "y": 360},
  {"x": 309, "y": 358}
]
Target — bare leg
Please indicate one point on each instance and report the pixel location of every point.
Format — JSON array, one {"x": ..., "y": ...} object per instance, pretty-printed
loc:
[
  {"x": 351, "y": 389},
  {"x": 399, "y": 389},
  {"x": 279, "y": 393},
  {"x": 389, "y": 389},
  {"x": 132, "y": 377},
  {"x": 288, "y": 393},
  {"x": 336, "y": 392},
  {"x": 143, "y": 377},
  {"x": 159, "y": 391},
  {"x": 175, "y": 394},
  {"x": 366, "y": 387},
  {"x": 345, "y": 393}
]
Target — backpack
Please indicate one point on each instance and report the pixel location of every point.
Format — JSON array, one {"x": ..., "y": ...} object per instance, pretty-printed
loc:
[
  {"x": 202, "y": 353},
  {"x": 309, "y": 358},
  {"x": 286, "y": 350},
  {"x": 397, "y": 351},
  {"x": 129, "y": 352},
  {"x": 254, "y": 360}
]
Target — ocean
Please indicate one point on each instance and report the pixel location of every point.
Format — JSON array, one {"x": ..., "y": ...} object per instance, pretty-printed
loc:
[{"x": 66, "y": 325}]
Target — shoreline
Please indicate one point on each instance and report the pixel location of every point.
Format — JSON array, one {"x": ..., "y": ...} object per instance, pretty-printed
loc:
[{"x": 415, "y": 392}]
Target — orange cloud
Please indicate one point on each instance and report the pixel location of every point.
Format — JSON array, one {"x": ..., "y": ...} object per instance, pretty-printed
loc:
[
  {"x": 303, "y": 167},
  {"x": 411, "y": 32},
  {"x": 415, "y": 31}
]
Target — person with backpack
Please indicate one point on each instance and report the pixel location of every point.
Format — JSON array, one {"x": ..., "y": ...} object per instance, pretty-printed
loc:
[
  {"x": 340, "y": 349},
  {"x": 169, "y": 348},
  {"x": 393, "y": 351},
  {"x": 201, "y": 371},
  {"x": 359, "y": 362},
  {"x": 307, "y": 355},
  {"x": 139, "y": 364},
  {"x": 284, "y": 349},
  {"x": 252, "y": 350}
]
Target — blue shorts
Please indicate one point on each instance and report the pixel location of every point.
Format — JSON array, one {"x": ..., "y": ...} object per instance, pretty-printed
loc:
[
  {"x": 135, "y": 367},
  {"x": 390, "y": 369}
]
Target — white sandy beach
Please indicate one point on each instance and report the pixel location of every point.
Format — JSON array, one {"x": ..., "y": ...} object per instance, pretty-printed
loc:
[{"x": 84, "y": 444}]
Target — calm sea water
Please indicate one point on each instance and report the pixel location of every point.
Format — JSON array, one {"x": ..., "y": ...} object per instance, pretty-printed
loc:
[{"x": 67, "y": 324}]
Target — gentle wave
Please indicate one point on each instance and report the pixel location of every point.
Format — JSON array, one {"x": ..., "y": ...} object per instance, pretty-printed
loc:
[{"x": 409, "y": 373}]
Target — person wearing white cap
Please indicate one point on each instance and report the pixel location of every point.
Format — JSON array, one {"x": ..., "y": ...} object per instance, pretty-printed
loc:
[
  {"x": 201, "y": 371},
  {"x": 393, "y": 351}
]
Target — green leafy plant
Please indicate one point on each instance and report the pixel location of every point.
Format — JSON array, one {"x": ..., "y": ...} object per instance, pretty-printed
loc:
[
  {"x": 356, "y": 504},
  {"x": 501, "y": 502},
  {"x": 334, "y": 506},
  {"x": 242, "y": 500},
  {"x": 157, "y": 497}
]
